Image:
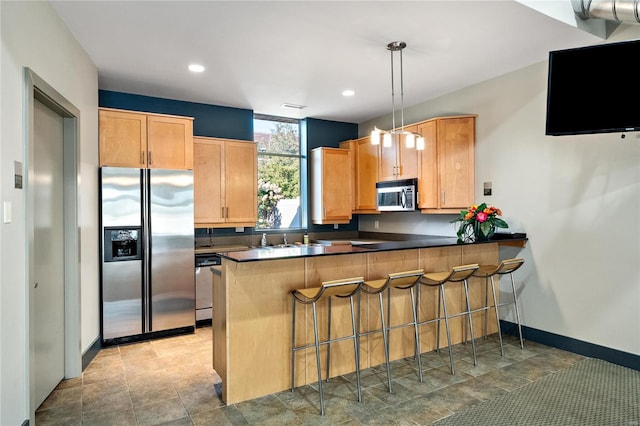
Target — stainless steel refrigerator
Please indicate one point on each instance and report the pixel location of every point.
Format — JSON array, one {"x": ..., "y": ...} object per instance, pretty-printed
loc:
[{"x": 148, "y": 283}]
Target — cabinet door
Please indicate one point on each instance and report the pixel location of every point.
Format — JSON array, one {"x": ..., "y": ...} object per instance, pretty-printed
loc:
[
  {"x": 331, "y": 198},
  {"x": 456, "y": 151},
  {"x": 366, "y": 173},
  {"x": 407, "y": 157},
  {"x": 351, "y": 146},
  {"x": 123, "y": 139},
  {"x": 208, "y": 179},
  {"x": 388, "y": 162},
  {"x": 428, "y": 167},
  {"x": 170, "y": 142},
  {"x": 241, "y": 183}
]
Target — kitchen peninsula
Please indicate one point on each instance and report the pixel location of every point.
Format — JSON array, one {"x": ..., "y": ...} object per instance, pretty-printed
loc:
[{"x": 252, "y": 308}]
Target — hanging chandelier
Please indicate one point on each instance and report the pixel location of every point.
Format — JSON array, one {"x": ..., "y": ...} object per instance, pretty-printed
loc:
[{"x": 411, "y": 139}]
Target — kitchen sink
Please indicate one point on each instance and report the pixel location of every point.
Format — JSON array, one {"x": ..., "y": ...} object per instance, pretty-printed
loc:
[{"x": 277, "y": 246}]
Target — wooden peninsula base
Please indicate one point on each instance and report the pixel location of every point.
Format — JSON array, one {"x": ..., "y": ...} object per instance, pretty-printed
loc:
[{"x": 252, "y": 314}]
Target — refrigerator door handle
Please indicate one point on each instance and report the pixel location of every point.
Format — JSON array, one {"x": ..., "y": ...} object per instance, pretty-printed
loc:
[{"x": 146, "y": 272}]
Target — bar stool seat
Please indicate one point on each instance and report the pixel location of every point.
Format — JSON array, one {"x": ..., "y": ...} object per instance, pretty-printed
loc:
[
  {"x": 507, "y": 266},
  {"x": 406, "y": 280},
  {"x": 440, "y": 279},
  {"x": 343, "y": 288}
]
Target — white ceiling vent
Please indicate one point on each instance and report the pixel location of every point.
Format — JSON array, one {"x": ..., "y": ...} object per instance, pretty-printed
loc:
[{"x": 292, "y": 106}]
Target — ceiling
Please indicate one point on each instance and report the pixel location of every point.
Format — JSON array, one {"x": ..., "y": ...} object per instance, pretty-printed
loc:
[{"x": 261, "y": 54}]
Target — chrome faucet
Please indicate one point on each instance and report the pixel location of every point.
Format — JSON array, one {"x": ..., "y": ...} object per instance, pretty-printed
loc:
[{"x": 285, "y": 239}]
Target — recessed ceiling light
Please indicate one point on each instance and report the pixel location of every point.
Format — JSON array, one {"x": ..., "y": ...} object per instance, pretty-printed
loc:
[
  {"x": 348, "y": 92},
  {"x": 196, "y": 68}
]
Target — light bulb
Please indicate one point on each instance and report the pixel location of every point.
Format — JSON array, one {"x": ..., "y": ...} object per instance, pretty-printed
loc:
[
  {"x": 375, "y": 136},
  {"x": 410, "y": 140},
  {"x": 420, "y": 144},
  {"x": 386, "y": 140}
]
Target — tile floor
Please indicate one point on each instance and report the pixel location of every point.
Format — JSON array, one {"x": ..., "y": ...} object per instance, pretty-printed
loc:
[{"x": 170, "y": 381}]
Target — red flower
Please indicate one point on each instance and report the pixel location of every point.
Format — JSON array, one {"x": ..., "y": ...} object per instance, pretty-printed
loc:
[{"x": 481, "y": 216}]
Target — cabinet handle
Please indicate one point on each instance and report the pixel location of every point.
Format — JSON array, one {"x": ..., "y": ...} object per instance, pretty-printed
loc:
[
  {"x": 222, "y": 213},
  {"x": 142, "y": 157},
  {"x": 443, "y": 198},
  {"x": 150, "y": 158},
  {"x": 227, "y": 212}
]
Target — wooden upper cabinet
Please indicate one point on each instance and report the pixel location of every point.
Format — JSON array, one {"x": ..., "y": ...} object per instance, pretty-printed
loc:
[
  {"x": 447, "y": 165},
  {"x": 208, "y": 178},
  {"x": 241, "y": 182},
  {"x": 225, "y": 182},
  {"x": 350, "y": 145},
  {"x": 134, "y": 139},
  {"x": 365, "y": 167},
  {"x": 407, "y": 157},
  {"x": 330, "y": 196},
  {"x": 428, "y": 185},
  {"x": 169, "y": 142},
  {"x": 123, "y": 138},
  {"x": 398, "y": 161}
]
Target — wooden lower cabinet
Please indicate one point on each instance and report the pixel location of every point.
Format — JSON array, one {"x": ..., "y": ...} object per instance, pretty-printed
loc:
[{"x": 253, "y": 313}]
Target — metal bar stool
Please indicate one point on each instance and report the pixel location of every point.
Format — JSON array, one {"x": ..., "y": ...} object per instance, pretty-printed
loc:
[
  {"x": 406, "y": 280},
  {"x": 439, "y": 279},
  {"x": 487, "y": 272},
  {"x": 349, "y": 287}
]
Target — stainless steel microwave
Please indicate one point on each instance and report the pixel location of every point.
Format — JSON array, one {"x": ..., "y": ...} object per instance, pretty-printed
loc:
[{"x": 397, "y": 195}]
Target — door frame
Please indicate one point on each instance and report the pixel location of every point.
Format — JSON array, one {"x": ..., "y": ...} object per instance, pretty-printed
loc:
[{"x": 36, "y": 88}]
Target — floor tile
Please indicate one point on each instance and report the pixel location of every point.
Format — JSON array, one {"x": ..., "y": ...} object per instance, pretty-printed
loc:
[
  {"x": 171, "y": 381},
  {"x": 160, "y": 412}
]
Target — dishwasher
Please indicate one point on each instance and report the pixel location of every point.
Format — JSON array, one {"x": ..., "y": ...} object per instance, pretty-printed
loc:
[{"x": 204, "y": 281}]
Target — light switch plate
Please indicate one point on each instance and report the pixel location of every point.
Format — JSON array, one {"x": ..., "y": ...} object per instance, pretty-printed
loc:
[
  {"x": 6, "y": 212},
  {"x": 487, "y": 188}
]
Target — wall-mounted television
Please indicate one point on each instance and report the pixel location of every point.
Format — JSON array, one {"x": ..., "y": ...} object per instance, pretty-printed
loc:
[{"x": 594, "y": 89}]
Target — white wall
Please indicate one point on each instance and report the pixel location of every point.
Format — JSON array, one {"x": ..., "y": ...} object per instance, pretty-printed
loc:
[
  {"x": 33, "y": 36},
  {"x": 576, "y": 197}
]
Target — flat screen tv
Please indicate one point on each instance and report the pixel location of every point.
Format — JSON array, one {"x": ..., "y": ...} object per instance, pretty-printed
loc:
[{"x": 594, "y": 89}]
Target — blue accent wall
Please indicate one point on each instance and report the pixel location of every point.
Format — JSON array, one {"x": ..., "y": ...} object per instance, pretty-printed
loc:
[{"x": 209, "y": 120}]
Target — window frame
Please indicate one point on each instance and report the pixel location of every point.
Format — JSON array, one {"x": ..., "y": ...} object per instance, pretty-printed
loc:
[{"x": 302, "y": 167}]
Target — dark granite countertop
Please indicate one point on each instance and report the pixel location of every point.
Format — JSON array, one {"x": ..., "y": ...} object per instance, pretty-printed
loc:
[
  {"x": 293, "y": 251},
  {"x": 309, "y": 250}
]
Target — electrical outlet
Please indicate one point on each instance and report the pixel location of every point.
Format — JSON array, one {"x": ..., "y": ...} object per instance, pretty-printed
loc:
[
  {"x": 335, "y": 226},
  {"x": 239, "y": 228},
  {"x": 376, "y": 224}
]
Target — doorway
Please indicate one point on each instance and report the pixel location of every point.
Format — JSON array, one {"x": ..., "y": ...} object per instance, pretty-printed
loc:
[
  {"x": 52, "y": 235},
  {"x": 48, "y": 282}
]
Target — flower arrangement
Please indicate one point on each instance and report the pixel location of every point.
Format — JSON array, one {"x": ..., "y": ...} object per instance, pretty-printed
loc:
[{"x": 478, "y": 223}]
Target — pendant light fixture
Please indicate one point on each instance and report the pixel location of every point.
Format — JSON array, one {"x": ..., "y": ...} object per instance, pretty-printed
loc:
[{"x": 411, "y": 139}]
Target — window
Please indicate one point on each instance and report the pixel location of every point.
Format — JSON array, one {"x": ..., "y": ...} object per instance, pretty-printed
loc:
[{"x": 279, "y": 179}]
